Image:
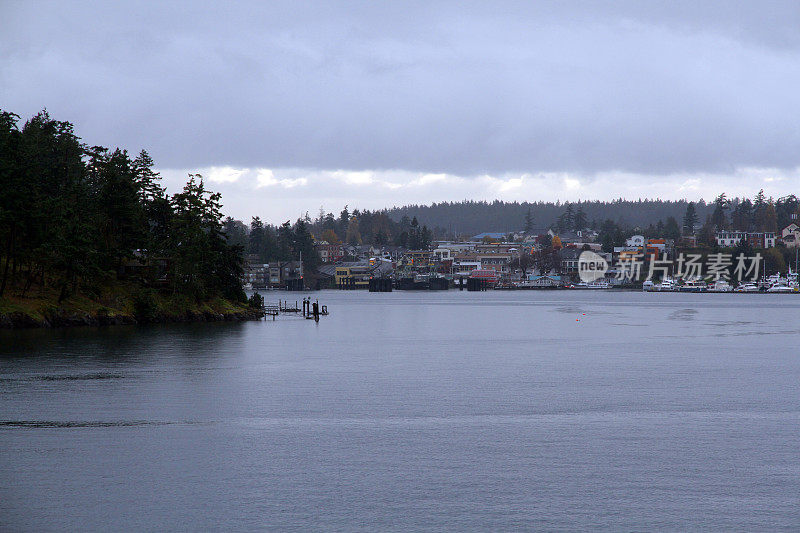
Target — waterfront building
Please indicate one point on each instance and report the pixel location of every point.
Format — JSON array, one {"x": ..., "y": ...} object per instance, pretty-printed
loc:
[
  {"x": 256, "y": 274},
  {"x": 329, "y": 252},
  {"x": 354, "y": 274},
  {"x": 729, "y": 239},
  {"x": 790, "y": 235}
]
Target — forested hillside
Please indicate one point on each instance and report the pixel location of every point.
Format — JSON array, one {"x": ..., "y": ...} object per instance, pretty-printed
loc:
[
  {"x": 92, "y": 225},
  {"x": 472, "y": 217}
]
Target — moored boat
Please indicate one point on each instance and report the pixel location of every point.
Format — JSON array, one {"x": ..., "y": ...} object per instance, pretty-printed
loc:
[
  {"x": 597, "y": 284},
  {"x": 693, "y": 285},
  {"x": 667, "y": 285},
  {"x": 747, "y": 287},
  {"x": 781, "y": 287},
  {"x": 720, "y": 285}
]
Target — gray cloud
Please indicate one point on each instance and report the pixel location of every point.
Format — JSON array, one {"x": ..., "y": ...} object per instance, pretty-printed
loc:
[{"x": 464, "y": 89}]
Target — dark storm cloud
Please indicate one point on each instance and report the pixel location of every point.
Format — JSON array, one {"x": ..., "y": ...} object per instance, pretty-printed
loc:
[{"x": 445, "y": 87}]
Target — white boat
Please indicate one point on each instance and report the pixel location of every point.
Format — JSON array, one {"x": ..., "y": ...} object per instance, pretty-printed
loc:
[
  {"x": 648, "y": 286},
  {"x": 720, "y": 286},
  {"x": 781, "y": 287},
  {"x": 747, "y": 287},
  {"x": 693, "y": 285},
  {"x": 667, "y": 285},
  {"x": 597, "y": 284}
]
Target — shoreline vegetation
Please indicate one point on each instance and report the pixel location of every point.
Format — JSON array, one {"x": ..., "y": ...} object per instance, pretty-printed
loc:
[
  {"x": 88, "y": 236},
  {"x": 118, "y": 305}
]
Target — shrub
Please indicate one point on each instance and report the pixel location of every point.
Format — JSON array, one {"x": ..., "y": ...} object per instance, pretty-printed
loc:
[
  {"x": 145, "y": 306},
  {"x": 256, "y": 301}
]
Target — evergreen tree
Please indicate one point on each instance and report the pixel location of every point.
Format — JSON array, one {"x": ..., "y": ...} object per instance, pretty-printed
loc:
[
  {"x": 690, "y": 219},
  {"x": 706, "y": 235},
  {"x": 786, "y": 209},
  {"x": 303, "y": 246},
  {"x": 611, "y": 235},
  {"x": 579, "y": 221},
  {"x": 235, "y": 232},
  {"x": 742, "y": 216},
  {"x": 528, "y": 222},
  {"x": 329, "y": 222},
  {"x": 255, "y": 245},
  {"x": 147, "y": 179},
  {"x": 770, "y": 218},
  {"x": 285, "y": 240},
  {"x": 425, "y": 238},
  {"x": 719, "y": 218},
  {"x": 402, "y": 239},
  {"x": 13, "y": 197},
  {"x": 759, "y": 211},
  {"x": 344, "y": 221},
  {"x": 414, "y": 235},
  {"x": 58, "y": 229},
  {"x": 120, "y": 199},
  {"x": 566, "y": 221},
  {"x": 671, "y": 229},
  {"x": 202, "y": 262}
]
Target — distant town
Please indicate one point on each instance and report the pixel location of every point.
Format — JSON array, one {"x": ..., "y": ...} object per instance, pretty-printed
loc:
[{"x": 738, "y": 247}]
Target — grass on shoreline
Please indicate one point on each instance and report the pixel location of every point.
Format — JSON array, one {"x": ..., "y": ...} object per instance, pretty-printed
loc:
[{"x": 122, "y": 302}]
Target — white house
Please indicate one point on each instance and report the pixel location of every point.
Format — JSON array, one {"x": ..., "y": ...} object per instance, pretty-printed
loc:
[
  {"x": 790, "y": 235},
  {"x": 635, "y": 240},
  {"x": 443, "y": 254},
  {"x": 729, "y": 239}
]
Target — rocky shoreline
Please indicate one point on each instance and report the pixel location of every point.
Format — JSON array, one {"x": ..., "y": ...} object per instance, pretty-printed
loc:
[{"x": 59, "y": 318}]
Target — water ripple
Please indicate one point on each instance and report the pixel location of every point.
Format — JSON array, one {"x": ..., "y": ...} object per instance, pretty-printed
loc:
[{"x": 55, "y": 424}]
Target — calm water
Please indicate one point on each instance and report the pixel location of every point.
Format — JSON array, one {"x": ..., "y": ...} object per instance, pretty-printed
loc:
[{"x": 414, "y": 411}]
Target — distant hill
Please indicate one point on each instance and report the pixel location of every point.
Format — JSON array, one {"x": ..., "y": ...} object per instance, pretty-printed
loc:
[{"x": 472, "y": 217}]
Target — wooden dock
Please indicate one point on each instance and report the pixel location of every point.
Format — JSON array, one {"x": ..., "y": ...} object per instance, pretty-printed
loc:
[{"x": 310, "y": 310}]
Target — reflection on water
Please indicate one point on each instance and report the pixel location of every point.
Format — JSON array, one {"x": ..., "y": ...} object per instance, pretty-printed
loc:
[
  {"x": 683, "y": 314},
  {"x": 404, "y": 411},
  {"x": 78, "y": 424}
]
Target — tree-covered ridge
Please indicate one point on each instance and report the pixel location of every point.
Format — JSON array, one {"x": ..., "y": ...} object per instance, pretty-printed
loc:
[
  {"x": 413, "y": 226},
  {"x": 73, "y": 217},
  {"x": 470, "y": 217}
]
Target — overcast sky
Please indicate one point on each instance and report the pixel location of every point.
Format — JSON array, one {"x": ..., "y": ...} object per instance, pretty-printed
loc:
[{"x": 287, "y": 106}]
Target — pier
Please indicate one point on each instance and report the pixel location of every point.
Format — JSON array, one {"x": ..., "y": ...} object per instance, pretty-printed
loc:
[{"x": 309, "y": 310}]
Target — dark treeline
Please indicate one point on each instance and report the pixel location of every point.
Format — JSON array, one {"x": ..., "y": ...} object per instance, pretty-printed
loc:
[
  {"x": 266, "y": 243},
  {"x": 288, "y": 241},
  {"x": 72, "y": 216},
  {"x": 470, "y": 217},
  {"x": 648, "y": 216}
]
